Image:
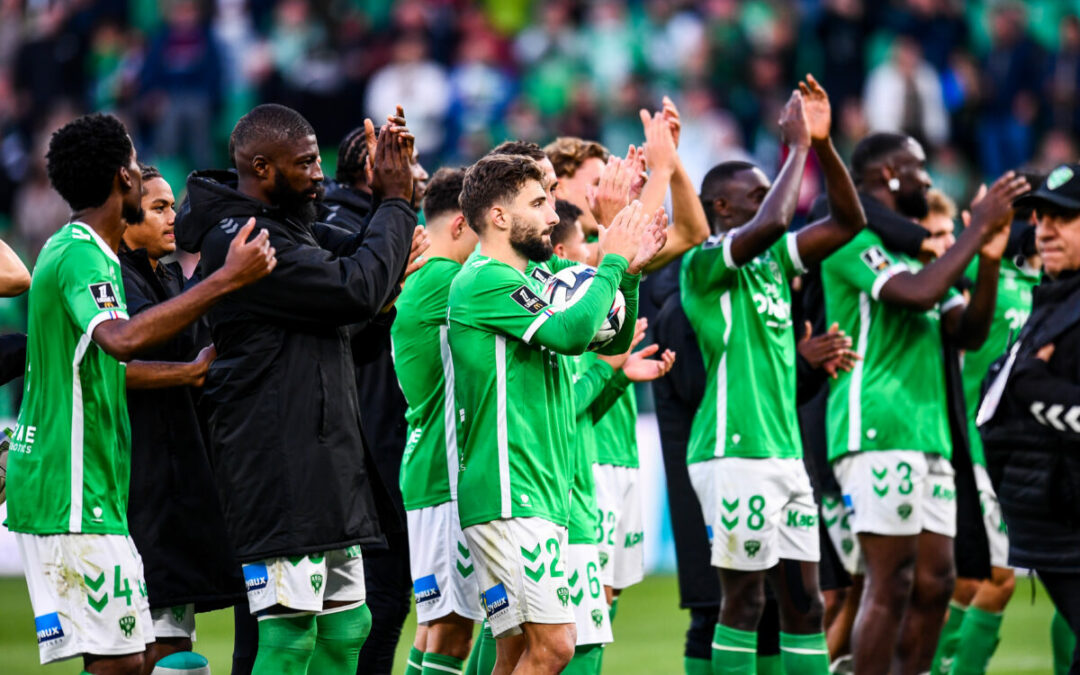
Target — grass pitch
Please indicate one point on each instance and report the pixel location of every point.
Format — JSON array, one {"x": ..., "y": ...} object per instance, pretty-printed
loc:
[{"x": 649, "y": 633}]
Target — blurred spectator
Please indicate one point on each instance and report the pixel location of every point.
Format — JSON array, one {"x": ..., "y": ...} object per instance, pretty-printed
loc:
[
  {"x": 181, "y": 85},
  {"x": 1011, "y": 75},
  {"x": 418, "y": 84},
  {"x": 842, "y": 30},
  {"x": 904, "y": 94},
  {"x": 1058, "y": 147},
  {"x": 480, "y": 91},
  {"x": 1063, "y": 77}
]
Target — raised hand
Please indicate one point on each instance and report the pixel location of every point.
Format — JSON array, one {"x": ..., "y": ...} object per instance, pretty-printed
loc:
[
  {"x": 830, "y": 351},
  {"x": 653, "y": 239},
  {"x": 617, "y": 361},
  {"x": 613, "y": 192},
  {"x": 248, "y": 261},
  {"x": 992, "y": 212},
  {"x": 639, "y": 175},
  {"x": 420, "y": 243},
  {"x": 660, "y": 154},
  {"x": 640, "y": 368},
  {"x": 624, "y": 235},
  {"x": 671, "y": 114},
  {"x": 392, "y": 175},
  {"x": 817, "y": 108},
  {"x": 794, "y": 127}
]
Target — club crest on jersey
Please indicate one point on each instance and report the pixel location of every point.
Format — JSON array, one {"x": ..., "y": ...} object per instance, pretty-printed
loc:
[
  {"x": 255, "y": 577},
  {"x": 426, "y": 589},
  {"x": 875, "y": 259},
  {"x": 528, "y": 299},
  {"x": 495, "y": 600},
  {"x": 104, "y": 295},
  {"x": 127, "y": 624},
  {"x": 48, "y": 628}
]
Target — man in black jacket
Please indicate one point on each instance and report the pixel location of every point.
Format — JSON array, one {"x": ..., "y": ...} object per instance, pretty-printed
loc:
[
  {"x": 297, "y": 485},
  {"x": 1030, "y": 414},
  {"x": 173, "y": 512}
]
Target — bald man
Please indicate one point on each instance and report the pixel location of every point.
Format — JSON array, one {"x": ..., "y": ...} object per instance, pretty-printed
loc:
[{"x": 297, "y": 486}]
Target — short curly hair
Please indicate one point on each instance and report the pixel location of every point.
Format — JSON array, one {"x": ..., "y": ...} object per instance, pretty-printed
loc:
[
  {"x": 568, "y": 153},
  {"x": 522, "y": 148},
  {"x": 493, "y": 179},
  {"x": 84, "y": 156}
]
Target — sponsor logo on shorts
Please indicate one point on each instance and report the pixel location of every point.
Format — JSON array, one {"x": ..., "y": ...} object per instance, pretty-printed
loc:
[
  {"x": 426, "y": 589},
  {"x": 796, "y": 519},
  {"x": 752, "y": 547},
  {"x": 847, "y": 501},
  {"x": 48, "y": 628},
  {"x": 708, "y": 531},
  {"x": 495, "y": 600},
  {"x": 942, "y": 492},
  {"x": 255, "y": 577},
  {"x": 633, "y": 539}
]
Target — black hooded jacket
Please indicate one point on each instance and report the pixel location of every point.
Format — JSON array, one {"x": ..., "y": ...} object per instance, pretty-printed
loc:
[
  {"x": 1031, "y": 441},
  {"x": 292, "y": 469}
]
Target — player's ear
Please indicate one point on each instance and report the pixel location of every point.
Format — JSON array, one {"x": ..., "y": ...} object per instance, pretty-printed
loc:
[
  {"x": 889, "y": 177},
  {"x": 261, "y": 167},
  {"x": 720, "y": 206},
  {"x": 498, "y": 217},
  {"x": 127, "y": 181},
  {"x": 457, "y": 226}
]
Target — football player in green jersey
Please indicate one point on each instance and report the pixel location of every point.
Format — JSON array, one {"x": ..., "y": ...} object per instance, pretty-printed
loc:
[
  {"x": 970, "y": 635},
  {"x": 745, "y": 452},
  {"x": 887, "y": 419},
  {"x": 513, "y": 389},
  {"x": 70, "y": 462},
  {"x": 442, "y": 569}
]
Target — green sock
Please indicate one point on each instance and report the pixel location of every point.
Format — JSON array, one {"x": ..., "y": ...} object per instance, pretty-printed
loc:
[
  {"x": 339, "y": 637},
  {"x": 770, "y": 665},
  {"x": 613, "y": 610},
  {"x": 482, "y": 658},
  {"x": 414, "y": 665},
  {"x": 978, "y": 640},
  {"x": 285, "y": 645},
  {"x": 950, "y": 638},
  {"x": 692, "y": 666},
  {"x": 804, "y": 654},
  {"x": 441, "y": 664},
  {"x": 1064, "y": 643},
  {"x": 586, "y": 661},
  {"x": 734, "y": 651}
]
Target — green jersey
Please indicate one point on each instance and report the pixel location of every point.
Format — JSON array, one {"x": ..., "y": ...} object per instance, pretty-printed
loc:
[
  {"x": 616, "y": 432},
  {"x": 513, "y": 386},
  {"x": 894, "y": 396},
  {"x": 596, "y": 388},
  {"x": 742, "y": 317},
  {"x": 1010, "y": 314},
  {"x": 70, "y": 462},
  {"x": 426, "y": 374}
]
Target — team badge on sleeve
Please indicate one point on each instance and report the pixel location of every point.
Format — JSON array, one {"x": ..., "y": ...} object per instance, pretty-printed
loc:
[
  {"x": 104, "y": 295},
  {"x": 875, "y": 259},
  {"x": 525, "y": 297}
]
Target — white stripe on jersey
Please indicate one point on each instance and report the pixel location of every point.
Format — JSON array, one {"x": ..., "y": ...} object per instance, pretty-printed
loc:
[
  {"x": 721, "y": 379},
  {"x": 75, "y": 515},
  {"x": 449, "y": 411},
  {"x": 504, "y": 448},
  {"x": 855, "y": 391}
]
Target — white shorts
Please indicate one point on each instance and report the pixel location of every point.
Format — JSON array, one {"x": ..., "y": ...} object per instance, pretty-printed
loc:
[
  {"x": 521, "y": 568},
  {"x": 757, "y": 510},
  {"x": 587, "y": 595},
  {"x": 996, "y": 533},
  {"x": 303, "y": 583},
  {"x": 443, "y": 573},
  {"x": 622, "y": 546},
  {"x": 88, "y": 594},
  {"x": 837, "y": 517},
  {"x": 174, "y": 622},
  {"x": 898, "y": 492}
]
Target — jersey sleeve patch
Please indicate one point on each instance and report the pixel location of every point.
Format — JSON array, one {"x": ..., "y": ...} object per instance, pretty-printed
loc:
[
  {"x": 104, "y": 295},
  {"x": 528, "y": 299},
  {"x": 875, "y": 259},
  {"x": 540, "y": 274}
]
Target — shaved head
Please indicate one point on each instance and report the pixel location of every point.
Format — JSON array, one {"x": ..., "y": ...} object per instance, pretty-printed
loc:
[{"x": 266, "y": 128}]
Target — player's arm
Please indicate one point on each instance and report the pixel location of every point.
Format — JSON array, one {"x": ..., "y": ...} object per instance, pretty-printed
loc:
[
  {"x": 122, "y": 338},
  {"x": 164, "y": 374},
  {"x": 689, "y": 226},
  {"x": 773, "y": 217},
  {"x": 923, "y": 290},
  {"x": 14, "y": 277},
  {"x": 846, "y": 218}
]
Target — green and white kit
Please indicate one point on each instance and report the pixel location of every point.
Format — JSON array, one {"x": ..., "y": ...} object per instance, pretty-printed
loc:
[
  {"x": 303, "y": 583},
  {"x": 745, "y": 461},
  {"x": 893, "y": 401}
]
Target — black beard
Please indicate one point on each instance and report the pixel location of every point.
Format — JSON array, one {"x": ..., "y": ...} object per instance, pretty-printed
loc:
[
  {"x": 132, "y": 215},
  {"x": 530, "y": 245},
  {"x": 912, "y": 204},
  {"x": 295, "y": 204}
]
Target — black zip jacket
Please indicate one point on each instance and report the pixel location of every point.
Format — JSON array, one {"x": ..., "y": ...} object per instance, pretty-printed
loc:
[
  {"x": 173, "y": 512},
  {"x": 292, "y": 469},
  {"x": 1032, "y": 441}
]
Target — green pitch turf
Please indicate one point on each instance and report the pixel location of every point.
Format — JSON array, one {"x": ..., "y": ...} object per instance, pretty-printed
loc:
[{"x": 648, "y": 633}]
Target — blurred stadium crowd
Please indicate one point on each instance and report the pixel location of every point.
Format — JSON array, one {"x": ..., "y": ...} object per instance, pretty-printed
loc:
[{"x": 987, "y": 85}]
